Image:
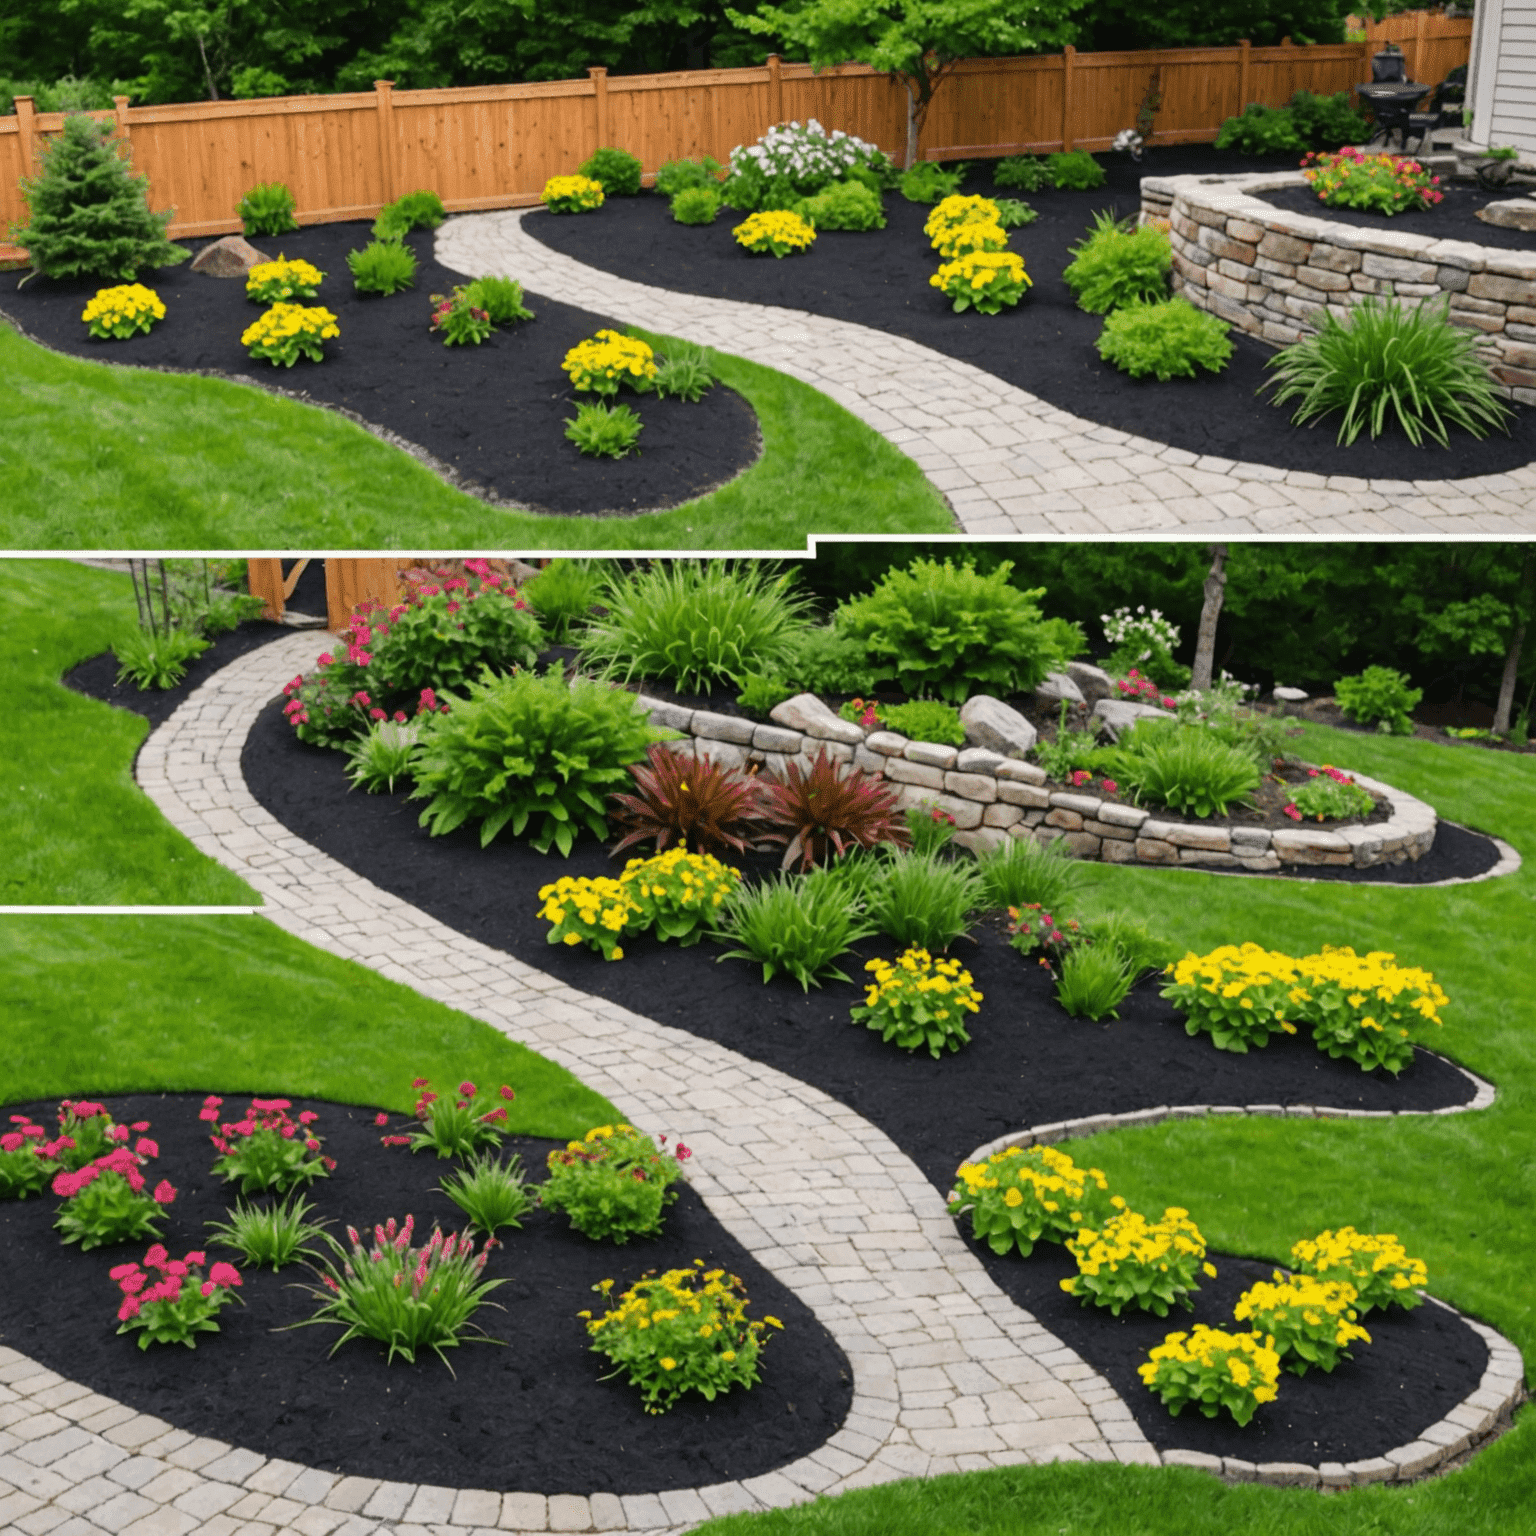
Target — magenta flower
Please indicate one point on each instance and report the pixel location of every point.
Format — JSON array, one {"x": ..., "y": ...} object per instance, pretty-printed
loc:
[
  {"x": 468, "y": 1090},
  {"x": 381, "y": 1118},
  {"x": 420, "y": 1082},
  {"x": 197, "y": 1257},
  {"x": 129, "y": 1309},
  {"x": 683, "y": 1153},
  {"x": 139, "y": 1126},
  {"x": 156, "y": 1256},
  {"x": 163, "y": 1194},
  {"x": 12, "y": 1141},
  {"x": 147, "y": 1148},
  {"x": 1291, "y": 811},
  {"x": 225, "y": 1274},
  {"x": 308, "y": 1117}
]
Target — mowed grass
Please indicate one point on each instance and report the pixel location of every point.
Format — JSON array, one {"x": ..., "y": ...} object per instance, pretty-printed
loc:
[{"x": 97, "y": 456}]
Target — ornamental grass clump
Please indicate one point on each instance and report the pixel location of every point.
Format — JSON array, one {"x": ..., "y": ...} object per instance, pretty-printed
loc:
[
  {"x": 923, "y": 900},
  {"x": 685, "y": 373},
  {"x": 686, "y": 798},
  {"x": 603, "y": 431},
  {"x": 1131, "y": 1261},
  {"x": 385, "y": 753},
  {"x": 454, "y": 1124},
  {"x": 491, "y": 1192},
  {"x": 382, "y": 266},
  {"x": 919, "y": 1001},
  {"x": 275, "y": 1234},
  {"x": 409, "y": 1299},
  {"x": 572, "y": 194},
  {"x": 115, "y": 314},
  {"x": 1362, "y": 1006},
  {"x": 1186, "y": 768},
  {"x": 1239, "y": 994},
  {"x": 1213, "y": 1370},
  {"x": 1026, "y": 873},
  {"x": 775, "y": 232},
  {"x": 105, "y": 1202},
  {"x": 25, "y": 1166},
  {"x": 266, "y": 1149},
  {"x": 280, "y": 281},
  {"x": 821, "y": 813},
  {"x": 1375, "y": 1263},
  {"x": 592, "y": 910},
  {"x": 168, "y": 1301},
  {"x": 683, "y": 1331},
  {"x": 1166, "y": 338},
  {"x": 614, "y": 1183},
  {"x": 1330, "y": 795},
  {"x": 564, "y": 593},
  {"x": 603, "y": 362},
  {"x": 1114, "y": 265},
  {"x": 1092, "y": 981},
  {"x": 796, "y": 924},
  {"x": 986, "y": 281},
  {"x": 678, "y": 894},
  {"x": 287, "y": 332},
  {"x": 267, "y": 209},
  {"x": 157, "y": 660},
  {"x": 1308, "y": 1322},
  {"x": 1024, "y": 1195}
]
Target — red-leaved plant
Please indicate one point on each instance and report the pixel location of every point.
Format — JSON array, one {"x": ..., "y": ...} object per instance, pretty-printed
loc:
[
  {"x": 688, "y": 799},
  {"x": 175, "y": 1302},
  {"x": 822, "y": 813}
]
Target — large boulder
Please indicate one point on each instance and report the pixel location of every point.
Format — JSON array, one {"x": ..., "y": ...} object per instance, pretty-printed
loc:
[
  {"x": 1056, "y": 686},
  {"x": 233, "y": 256},
  {"x": 1517, "y": 213},
  {"x": 997, "y": 726},
  {"x": 1119, "y": 715},
  {"x": 807, "y": 714},
  {"x": 1094, "y": 682}
]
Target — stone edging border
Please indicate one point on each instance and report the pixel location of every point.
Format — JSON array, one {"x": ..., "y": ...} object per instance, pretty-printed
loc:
[{"x": 993, "y": 796}]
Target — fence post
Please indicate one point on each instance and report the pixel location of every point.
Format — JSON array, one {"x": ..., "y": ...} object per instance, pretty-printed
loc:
[
  {"x": 1067, "y": 55},
  {"x": 775, "y": 91},
  {"x": 1420, "y": 23},
  {"x": 265, "y": 580},
  {"x": 600, "y": 91},
  {"x": 120, "y": 111},
  {"x": 1244, "y": 74},
  {"x": 24, "y": 122},
  {"x": 385, "y": 99}
]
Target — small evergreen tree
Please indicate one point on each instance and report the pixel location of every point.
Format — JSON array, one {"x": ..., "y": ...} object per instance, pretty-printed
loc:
[{"x": 90, "y": 215}]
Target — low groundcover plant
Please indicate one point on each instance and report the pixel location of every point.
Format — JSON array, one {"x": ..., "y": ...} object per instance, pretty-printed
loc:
[
  {"x": 1131, "y": 1261},
  {"x": 124, "y": 311},
  {"x": 1309, "y": 1321},
  {"x": 613, "y": 1184},
  {"x": 168, "y": 1301},
  {"x": 1375, "y": 1264}
]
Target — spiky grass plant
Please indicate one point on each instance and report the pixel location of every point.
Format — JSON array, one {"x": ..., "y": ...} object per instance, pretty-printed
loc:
[
  {"x": 1023, "y": 872},
  {"x": 376, "y": 760},
  {"x": 275, "y": 1234},
  {"x": 924, "y": 900},
  {"x": 1093, "y": 981},
  {"x": 794, "y": 923},
  {"x": 684, "y": 373},
  {"x": 1389, "y": 363},
  {"x": 563, "y": 594},
  {"x": 686, "y": 798},
  {"x": 491, "y": 1193}
]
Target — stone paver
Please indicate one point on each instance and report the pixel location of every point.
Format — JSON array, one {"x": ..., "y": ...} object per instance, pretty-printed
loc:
[{"x": 1009, "y": 462}]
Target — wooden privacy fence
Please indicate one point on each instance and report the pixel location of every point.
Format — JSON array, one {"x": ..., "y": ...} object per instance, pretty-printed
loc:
[{"x": 494, "y": 146}]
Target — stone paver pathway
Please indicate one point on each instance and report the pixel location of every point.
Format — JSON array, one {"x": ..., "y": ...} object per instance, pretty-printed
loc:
[{"x": 1009, "y": 462}]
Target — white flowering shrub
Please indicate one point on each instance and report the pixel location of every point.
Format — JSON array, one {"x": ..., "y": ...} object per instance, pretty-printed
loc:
[
  {"x": 794, "y": 160},
  {"x": 1144, "y": 640}
]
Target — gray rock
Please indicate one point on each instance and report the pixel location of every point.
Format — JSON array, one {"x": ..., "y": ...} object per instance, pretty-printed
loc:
[
  {"x": 1517, "y": 213},
  {"x": 997, "y": 726},
  {"x": 807, "y": 714},
  {"x": 1094, "y": 682},
  {"x": 1120, "y": 715},
  {"x": 233, "y": 256},
  {"x": 1294, "y": 695},
  {"x": 1058, "y": 685}
]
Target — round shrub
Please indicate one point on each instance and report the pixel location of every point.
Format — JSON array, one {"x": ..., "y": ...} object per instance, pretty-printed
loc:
[
  {"x": 696, "y": 205},
  {"x": 845, "y": 205},
  {"x": 1114, "y": 265},
  {"x": 615, "y": 170},
  {"x": 1165, "y": 339}
]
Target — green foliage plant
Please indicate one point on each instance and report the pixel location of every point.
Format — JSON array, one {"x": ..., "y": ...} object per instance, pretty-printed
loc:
[
  {"x": 696, "y": 205},
  {"x": 924, "y": 900},
  {"x": 1012, "y": 213},
  {"x": 762, "y": 693},
  {"x": 267, "y": 209},
  {"x": 1092, "y": 981},
  {"x": 1311, "y": 1322},
  {"x": 105, "y": 1200},
  {"x": 825, "y": 659},
  {"x": 564, "y": 593},
  {"x": 275, "y": 1234},
  {"x": 492, "y": 1193},
  {"x": 615, "y": 170},
  {"x": 1166, "y": 339},
  {"x": 500, "y": 297},
  {"x": 416, "y": 210},
  {"x": 456, "y": 1124},
  {"x": 1325, "y": 797},
  {"x": 25, "y": 1165},
  {"x": 409, "y": 1299},
  {"x": 1133, "y": 1262},
  {"x": 531, "y": 752},
  {"x": 266, "y": 1149},
  {"x": 1129, "y": 937},
  {"x": 928, "y": 181},
  {"x": 925, "y": 720},
  {"x": 684, "y": 175},
  {"x": 685, "y": 372},
  {"x": 383, "y": 267},
  {"x": 946, "y": 630},
  {"x": 88, "y": 214},
  {"x": 156, "y": 660},
  {"x": 613, "y": 1184},
  {"x": 458, "y": 319},
  {"x": 1067, "y": 750},
  {"x": 1327, "y": 122},
  {"x": 845, "y": 205},
  {"x": 694, "y": 623},
  {"x": 1020, "y": 1196},
  {"x": 1213, "y": 1370},
  {"x": 1113, "y": 265},
  {"x": 252, "y": 81},
  {"x": 1028, "y": 173},
  {"x": 1075, "y": 171},
  {"x": 603, "y": 431},
  {"x": 1260, "y": 130},
  {"x": 682, "y": 1331},
  {"x": 930, "y": 827},
  {"x": 1023, "y": 872},
  {"x": 797, "y": 924},
  {"x": 168, "y": 1301},
  {"x": 1379, "y": 696},
  {"x": 383, "y": 755},
  {"x": 919, "y": 1001},
  {"x": 1184, "y": 768}
]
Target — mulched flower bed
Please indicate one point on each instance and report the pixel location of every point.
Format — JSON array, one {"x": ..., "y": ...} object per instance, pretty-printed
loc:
[
  {"x": 1045, "y": 345},
  {"x": 533, "y": 1415},
  {"x": 494, "y": 414},
  {"x": 1453, "y": 219}
]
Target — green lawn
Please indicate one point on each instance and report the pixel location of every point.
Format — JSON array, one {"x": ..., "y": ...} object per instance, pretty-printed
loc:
[{"x": 96, "y": 456}]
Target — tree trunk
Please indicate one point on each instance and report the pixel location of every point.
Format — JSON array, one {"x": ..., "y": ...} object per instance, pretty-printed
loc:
[
  {"x": 1501, "y": 720},
  {"x": 1210, "y": 611},
  {"x": 913, "y": 123},
  {"x": 213, "y": 90}
]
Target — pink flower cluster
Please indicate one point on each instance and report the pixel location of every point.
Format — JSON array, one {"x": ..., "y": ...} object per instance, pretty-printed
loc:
[
  {"x": 263, "y": 1115},
  {"x": 392, "y": 1237},
  {"x": 680, "y": 1152},
  {"x": 139, "y": 1290},
  {"x": 1135, "y": 685},
  {"x": 1081, "y": 776},
  {"x": 122, "y": 1162},
  {"x": 1337, "y": 775},
  {"x": 29, "y": 1135}
]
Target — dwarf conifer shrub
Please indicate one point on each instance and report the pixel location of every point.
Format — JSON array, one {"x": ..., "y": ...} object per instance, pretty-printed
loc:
[
  {"x": 1167, "y": 339},
  {"x": 268, "y": 209},
  {"x": 1114, "y": 265},
  {"x": 382, "y": 266}
]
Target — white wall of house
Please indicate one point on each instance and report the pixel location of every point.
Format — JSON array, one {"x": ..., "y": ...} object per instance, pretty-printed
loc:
[{"x": 1502, "y": 84}]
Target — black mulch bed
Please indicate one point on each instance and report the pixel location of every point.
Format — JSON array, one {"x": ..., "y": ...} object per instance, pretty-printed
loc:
[
  {"x": 1453, "y": 219},
  {"x": 1027, "y": 1064},
  {"x": 494, "y": 414},
  {"x": 1045, "y": 345},
  {"x": 529, "y": 1416}
]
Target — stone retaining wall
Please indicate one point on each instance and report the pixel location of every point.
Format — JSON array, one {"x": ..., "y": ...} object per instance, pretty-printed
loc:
[
  {"x": 1275, "y": 274},
  {"x": 992, "y": 796}
]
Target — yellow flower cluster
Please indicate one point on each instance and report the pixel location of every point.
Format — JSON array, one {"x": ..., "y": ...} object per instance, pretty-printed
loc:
[
  {"x": 1129, "y": 1238},
  {"x": 286, "y": 330},
  {"x": 272, "y": 281},
  {"x": 686, "y": 879},
  {"x": 952, "y": 212},
  {"x": 594, "y": 911},
  {"x": 605, "y": 361},
  {"x": 1375, "y": 1264},
  {"x": 1041, "y": 1191},
  {"x": 1303, "y": 1306},
  {"x": 917, "y": 971},
  {"x": 777, "y": 230},
  {"x": 123, "y": 310},
  {"x": 965, "y": 239},
  {"x": 572, "y": 194},
  {"x": 1375, "y": 978},
  {"x": 1247, "y": 1361},
  {"x": 601, "y": 1133},
  {"x": 984, "y": 280}
]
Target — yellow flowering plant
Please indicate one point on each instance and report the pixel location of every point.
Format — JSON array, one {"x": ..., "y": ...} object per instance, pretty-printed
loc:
[
  {"x": 986, "y": 281},
  {"x": 1132, "y": 1261},
  {"x": 676, "y": 894},
  {"x": 603, "y": 362},
  {"x": 950, "y": 213},
  {"x": 572, "y": 194},
  {"x": 1024, "y": 1195},
  {"x": 1239, "y": 994},
  {"x": 686, "y": 1330},
  {"x": 1308, "y": 1321},
  {"x": 288, "y": 331},
  {"x": 963, "y": 239},
  {"x": 1213, "y": 1370},
  {"x": 124, "y": 311},
  {"x": 614, "y": 1183},
  {"x": 281, "y": 281},
  {"x": 1374, "y": 1263},
  {"x": 1361, "y": 1006},
  {"x": 596, "y": 912},
  {"x": 918, "y": 1000},
  {"x": 775, "y": 230}
]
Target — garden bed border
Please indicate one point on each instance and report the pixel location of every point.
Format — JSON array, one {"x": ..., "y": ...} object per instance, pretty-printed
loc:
[{"x": 1274, "y": 273}]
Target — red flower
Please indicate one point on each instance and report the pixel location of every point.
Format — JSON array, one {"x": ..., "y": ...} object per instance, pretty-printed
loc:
[
  {"x": 507, "y": 1093},
  {"x": 381, "y": 1118},
  {"x": 147, "y": 1148},
  {"x": 163, "y": 1194},
  {"x": 224, "y": 1274},
  {"x": 468, "y": 1090},
  {"x": 683, "y": 1153}
]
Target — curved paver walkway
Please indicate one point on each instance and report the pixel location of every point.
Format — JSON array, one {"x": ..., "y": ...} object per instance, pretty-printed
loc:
[{"x": 1008, "y": 461}]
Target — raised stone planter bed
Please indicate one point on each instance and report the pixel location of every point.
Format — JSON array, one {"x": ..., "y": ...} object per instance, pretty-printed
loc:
[
  {"x": 993, "y": 795},
  {"x": 1274, "y": 273}
]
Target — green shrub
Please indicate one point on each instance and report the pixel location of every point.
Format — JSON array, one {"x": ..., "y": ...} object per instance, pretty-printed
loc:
[
  {"x": 253, "y": 81},
  {"x": 1260, "y": 130},
  {"x": 683, "y": 175},
  {"x": 845, "y": 205},
  {"x": 1185, "y": 768},
  {"x": 157, "y": 660},
  {"x": 447, "y": 638},
  {"x": 376, "y": 760},
  {"x": 531, "y": 752},
  {"x": 500, "y": 297},
  {"x": 928, "y": 181},
  {"x": 1013, "y": 214},
  {"x": 799, "y": 924},
  {"x": 761, "y": 694},
  {"x": 1075, "y": 171},
  {"x": 614, "y": 1184},
  {"x": 1023, "y": 872},
  {"x": 1093, "y": 981},
  {"x": 268, "y": 209},
  {"x": 1067, "y": 751},
  {"x": 1408, "y": 365},
  {"x": 1165, "y": 338},
  {"x": 684, "y": 373},
  {"x": 925, "y": 720},
  {"x": 420, "y": 210},
  {"x": 1113, "y": 265},
  {"x": 616, "y": 170},
  {"x": 1327, "y": 122},
  {"x": 923, "y": 900},
  {"x": 696, "y": 205},
  {"x": 564, "y": 593},
  {"x": 825, "y": 659},
  {"x": 1381, "y": 697},
  {"x": 391, "y": 225},
  {"x": 945, "y": 630},
  {"x": 275, "y": 1234},
  {"x": 88, "y": 214},
  {"x": 1029, "y": 173},
  {"x": 694, "y": 623},
  {"x": 492, "y": 1193},
  {"x": 383, "y": 266},
  {"x": 603, "y": 431}
]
